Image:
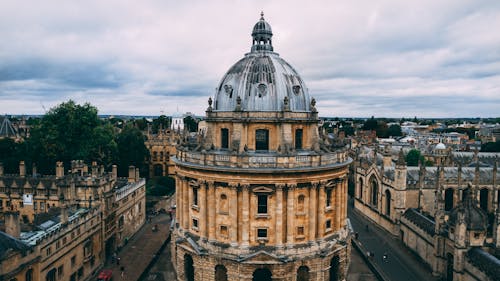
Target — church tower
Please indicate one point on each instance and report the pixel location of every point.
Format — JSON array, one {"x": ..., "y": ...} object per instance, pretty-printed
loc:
[{"x": 260, "y": 195}]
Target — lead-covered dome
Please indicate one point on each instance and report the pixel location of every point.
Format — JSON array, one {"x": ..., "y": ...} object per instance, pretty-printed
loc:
[{"x": 262, "y": 80}]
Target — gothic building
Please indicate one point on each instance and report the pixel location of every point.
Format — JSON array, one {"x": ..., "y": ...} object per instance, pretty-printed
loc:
[
  {"x": 448, "y": 215},
  {"x": 262, "y": 195},
  {"x": 161, "y": 148}
]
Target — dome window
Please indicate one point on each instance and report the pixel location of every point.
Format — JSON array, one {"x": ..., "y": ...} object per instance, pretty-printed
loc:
[
  {"x": 296, "y": 90},
  {"x": 262, "y": 90},
  {"x": 229, "y": 90}
]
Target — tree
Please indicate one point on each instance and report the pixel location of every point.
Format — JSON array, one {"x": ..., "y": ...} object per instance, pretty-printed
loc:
[
  {"x": 381, "y": 129},
  {"x": 370, "y": 124},
  {"x": 413, "y": 157},
  {"x": 131, "y": 150},
  {"x": 162, "y": 121},
  {"x": 394, "y": 130},
  {"x": 191, "y": 124},
  {"x": 491, "y": 147},
  {"x": 10, "y": 155}
]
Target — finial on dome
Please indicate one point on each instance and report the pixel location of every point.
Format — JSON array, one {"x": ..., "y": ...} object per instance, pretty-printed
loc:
[{"x": 262, "y": 15}]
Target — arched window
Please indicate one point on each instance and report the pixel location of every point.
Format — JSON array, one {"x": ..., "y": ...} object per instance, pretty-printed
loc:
[
  {"x": 188, "y": 268},
  {"x": 303, "y": 273},
  {"x": 360, "y": 194},
  {"x": 300, "y": 203},
  {"x": 334, "y": 268},
  {"x": 449, "y": 267},
  {"x": 448, "y": 199},
  {"x": 51, "y": 275},
  {"x": 262, "y": 274},
  {"x": 155, "y": 155},
  {"x": 28, "y": 276},
  {"x": 374, "y": 195},
  {"x": 161, "y": 155},
  {"x": 220, "y": 273},
  {"x": 223, "y": 204},
  {"x": 387, "y": 202}
]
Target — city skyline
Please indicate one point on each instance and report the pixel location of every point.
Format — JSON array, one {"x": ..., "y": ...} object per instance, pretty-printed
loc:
[{"x": 386, "y": 59}]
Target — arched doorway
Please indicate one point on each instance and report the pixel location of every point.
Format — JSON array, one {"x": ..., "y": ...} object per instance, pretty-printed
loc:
[
  {"x": 483, "y": 199},
  {"x": 303, "y": 273},
  {"x": 334, "y": 268},
  {"x": 448, "y": 199},
  {"x": 188, "y": 268},
  {"x": 262, "y": 274},
  {"x": 387, "y": 202},
  {"x": 220, "y": 273}
]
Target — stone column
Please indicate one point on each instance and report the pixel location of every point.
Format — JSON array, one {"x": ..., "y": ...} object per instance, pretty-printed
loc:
[
  {"x": 290, "y": 213},
  {"x": 211, "y": 211},
  {"x": 233, "y": 214},
  {"x": 279, "y": 215},
  {"x": 320, "y": 208},
  {"x": 337, "y": 192},
  {"x": 313, "y": 193},
  {"x": 202, "y": 197},
  {"x": 245, "y": 213},
  {"x": 187, "y": 194},
  {"x": 344, "y": 202},
  {"x": 178, "y": 201}
]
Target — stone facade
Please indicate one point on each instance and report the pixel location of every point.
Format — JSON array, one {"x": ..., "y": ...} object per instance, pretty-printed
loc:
[
  {"x": 80, "y": 219},
  {"x": 260, "y": 194},
  {"x": 420, "y": 205},
  {"x": 161, "y": 148}
]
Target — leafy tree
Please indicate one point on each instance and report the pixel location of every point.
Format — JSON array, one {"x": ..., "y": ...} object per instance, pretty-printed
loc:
[
  {"x": 394, "y": 130},
  {"x": 131, "y": 150},
  {"x": 370, "y": 124},
  {"x": 413, "y": 157},
  {"x": 191, "y": 124},
  {"x": 10, "y": 155},
  {"x": 162, "y": 121},
  {"x": 142, "y": 124},
  {"x": 347, "y": 129},
  {"x": 381, "y": 129}
]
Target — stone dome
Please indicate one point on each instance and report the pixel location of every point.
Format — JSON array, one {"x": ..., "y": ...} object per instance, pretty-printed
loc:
[
  {"x": 475, "y": 218},
  {"x": 262, "y": 80}
]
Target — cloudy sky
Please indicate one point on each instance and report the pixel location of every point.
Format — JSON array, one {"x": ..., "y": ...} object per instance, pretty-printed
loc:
[{"x": 423, "y": 58}]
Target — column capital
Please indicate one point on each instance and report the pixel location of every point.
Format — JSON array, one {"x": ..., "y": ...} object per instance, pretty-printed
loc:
[
  {"x": 292, "y": 186},
  {"x": 210, "y": 184},
  {"x": 232, "y": 184},
  {"x": 280, "y": 186},
  {"x": 315, "y": 184},
  {"x": 245, "y": 186}
]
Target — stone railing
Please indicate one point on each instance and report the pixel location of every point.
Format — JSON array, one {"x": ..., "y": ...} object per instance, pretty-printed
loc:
[
  {"x": 129, "y": 188},
  {"x": 262, "y": 160}
]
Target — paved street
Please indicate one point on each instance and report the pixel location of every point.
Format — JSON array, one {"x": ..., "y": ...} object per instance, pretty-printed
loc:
[{"x": 400, "y": 264}]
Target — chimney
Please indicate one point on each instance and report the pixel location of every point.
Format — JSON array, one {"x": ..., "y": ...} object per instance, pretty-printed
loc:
[
  {"x": 12, "y": 224},
  {"x": 114, "y": 172},
  {"x": 64, "y": 214},
  {"x": 137, "y": 174},
  {"x": 94, "y": 169},
  {"x": 22, "y": 169},
  {"x": 60, "y": 169},
  {"x": 1, "y": 169},
  {"x": 131, "y": 174}
]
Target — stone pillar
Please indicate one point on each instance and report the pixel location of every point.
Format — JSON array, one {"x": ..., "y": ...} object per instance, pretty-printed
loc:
[
  {"x": 279, "y": 215},
  {"x": 245, "y": 213},
  {"x": 313, "y": 194},
  {"x": 233, "y": 213},
  {"x": 12, "y": 224},
  {"x": 186, "y": 194},
  {"x": 211, "y": 211},
  {"x": 344, "y": 202},
  {"x": 22, "y": 169},
  {"x": 114, "y": 172},
  {"x": 202, "y": 197},
  {"x": 337, "y": 192},
  {"x": 290, "y": 212},
  {"x": 320, "y": 208},
  {"x": 131, "y": 174},
  {"x": 59, "y": 169},
  {"x": 178, "y": 200}
]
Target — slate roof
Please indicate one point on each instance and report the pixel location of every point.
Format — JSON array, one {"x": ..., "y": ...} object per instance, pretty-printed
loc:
[
  {"x": 486, "y": 262},
  {"x": 423, "y": 222},
  {"x": 9, "y": 244}
]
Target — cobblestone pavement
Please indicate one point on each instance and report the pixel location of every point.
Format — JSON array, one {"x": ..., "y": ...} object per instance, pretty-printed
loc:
[{"x": 141, "y": 249}]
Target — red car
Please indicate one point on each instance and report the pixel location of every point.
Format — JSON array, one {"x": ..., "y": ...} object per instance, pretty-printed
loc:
[{"x": 105, "y": 275}]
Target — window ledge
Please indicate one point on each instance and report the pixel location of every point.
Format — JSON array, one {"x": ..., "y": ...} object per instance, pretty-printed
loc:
[
  {"x": 262, "y": 216},
  {"x": 195, "y": 207}
]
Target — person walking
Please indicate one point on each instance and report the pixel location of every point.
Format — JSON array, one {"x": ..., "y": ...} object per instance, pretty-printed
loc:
[{"x": 122, "y": 272}]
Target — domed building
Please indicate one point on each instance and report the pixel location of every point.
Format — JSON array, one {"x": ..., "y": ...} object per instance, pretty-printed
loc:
[{"x": 262, "y": 195}]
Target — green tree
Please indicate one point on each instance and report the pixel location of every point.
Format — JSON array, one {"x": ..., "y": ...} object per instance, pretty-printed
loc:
[
  {"x": 162, "y": 121},
  {"x": 10, "y": 155},
  {"x": 191, "y": 124},
  {"x": 381, "y": 129},
  {"x": 131, "y": 150},
  {"x": 413, "y": 157},
  {"x": 394, "y": 130},
  {"x": 370, "y": 124}
]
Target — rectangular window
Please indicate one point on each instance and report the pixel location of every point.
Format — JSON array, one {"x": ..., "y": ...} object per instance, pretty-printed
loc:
[
  {"x": 329, "y": 197},
  {"x": 80, "y": 272},
  {"x": 262, "y": 233},
  {"x": 262, "y": 204},
  {"x": 58, "y": 245},
  {"x": 262, "y": 139},
  {"x": 223, "y": 230},
  {"x": 298, "y": 139},
  {"x": 73, "y": 261},
  {"x": 224, "y": 137},
  {"x": 195, "y": 196},
  {"x": 34, "y": 206},
  {"x": 42, "y": 206},
  {"x": 48, "y": 251},
  {"x": 60, "y": 271},
  {"x": 328, "y": 225},
  {"x": 300, "y": 231},
  {"x": 195, "y": 223}
]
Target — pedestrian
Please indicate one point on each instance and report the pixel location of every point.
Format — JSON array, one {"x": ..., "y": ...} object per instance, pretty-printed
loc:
[
  {"x": 356, "y": 236},
  {"x": 384, "y": 257},
  {"x": 122, "y": 269},
  {"x": 118, "y": 261}
]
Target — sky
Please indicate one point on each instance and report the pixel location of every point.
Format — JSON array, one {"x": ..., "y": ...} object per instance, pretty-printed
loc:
[{"x": 358, "y": 58}]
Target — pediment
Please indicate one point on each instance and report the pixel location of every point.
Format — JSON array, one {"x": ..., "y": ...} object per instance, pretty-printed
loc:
[{"x": 262, "y": 189}]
